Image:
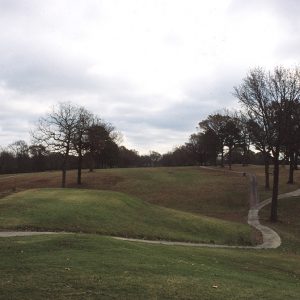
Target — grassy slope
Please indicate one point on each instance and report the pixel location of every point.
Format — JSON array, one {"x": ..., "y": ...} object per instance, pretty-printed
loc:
[
  {"x": 113, "y": 213},
  {"x": 93, "y": 267},
  {"x": 184, "y": 188}
]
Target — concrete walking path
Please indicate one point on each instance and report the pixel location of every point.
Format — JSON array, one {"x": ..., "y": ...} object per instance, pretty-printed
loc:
[
  {"x": 270, "y": 238},
  {"x": 25, "y": 233}
]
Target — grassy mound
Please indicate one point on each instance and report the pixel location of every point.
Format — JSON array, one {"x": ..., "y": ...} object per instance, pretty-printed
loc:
[
  {"x": 191, "y": 189},
  {"x": 113, "y": 213}
]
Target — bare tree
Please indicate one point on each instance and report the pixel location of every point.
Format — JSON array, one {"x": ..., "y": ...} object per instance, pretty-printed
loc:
[
  {"x": 232, "y": 137},
  {"x": 258, "y": 137},
  {"x": 242, "y": 121},
  {"x": 269, "y": 97},
  {"x": 292, "y": 137},
  {"x": 56, "y": 131},
  {"x": 84, "y": 121}
]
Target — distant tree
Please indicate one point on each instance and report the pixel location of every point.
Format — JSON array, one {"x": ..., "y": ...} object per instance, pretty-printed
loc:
[
  {"x": 215, "y": 124},
  {"x": 237, "y": 155},
  {"x": 98, "y": 135},
  {"x": 145, "y": 161},
  {"x": 20, "y": 150},
  {"x": 232, "y": 136},
  {"x": 39, "y": 155},
  {"x": 56, "y": 131},
  {"x": 154, "y": 158},
  {"x": 196, "y": 148},
  {"x": 203, "y": 147},
  {"x": 54, "y": 161},
  {"x": 211, "y": 146},
  {"x": 181, "y": 156},
  {"x": 110, "y": 154},
  {"x": 128, "y": 158},
  {"x": 7, "y": 162}
]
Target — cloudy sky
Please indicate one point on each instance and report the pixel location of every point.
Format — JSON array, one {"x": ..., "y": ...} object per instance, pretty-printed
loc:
[{"x": 153, "y": 68}]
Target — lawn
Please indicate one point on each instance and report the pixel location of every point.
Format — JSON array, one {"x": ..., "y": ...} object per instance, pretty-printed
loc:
[
  {"x": 283, "y": 178},
  {"x": 113, "y": 213},
  {"x": 189, "y": 189},
  {"x": 288, "y": 225},
  {"x": 92, "y": 266}
]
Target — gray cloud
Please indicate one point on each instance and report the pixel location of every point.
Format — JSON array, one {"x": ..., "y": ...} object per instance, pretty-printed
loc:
[
  {"x": 153, "y": 85},
  {"x": 286, "y": 12}
]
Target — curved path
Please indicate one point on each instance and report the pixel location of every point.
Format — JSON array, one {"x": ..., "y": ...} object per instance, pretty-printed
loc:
[{"x": 270, "y": 238}]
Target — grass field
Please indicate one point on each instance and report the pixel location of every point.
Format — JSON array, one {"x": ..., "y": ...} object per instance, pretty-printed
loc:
[
  {"x": 188, "y": 189},
  {"x": 93, "y": 267},
  {"x": 283, "y": 186},
  {"x": 87, "y": 266},
  {"x": 113, "y": 213},
  {"x": 288, "y": 226}
]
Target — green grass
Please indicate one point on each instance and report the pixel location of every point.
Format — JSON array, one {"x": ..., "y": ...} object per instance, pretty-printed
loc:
[
  {"x": 87, "y": 266},
  {"x": 113, "y": 213},
  {"x": 288, "y": 226},
  {"x": 189, "y": 189},
  {"x": 93, "y": 267},
  {"x": 283, "y": 186}
]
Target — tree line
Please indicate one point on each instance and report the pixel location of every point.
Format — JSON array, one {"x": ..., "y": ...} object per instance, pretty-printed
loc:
[
  {"x": 20, "y": 157},
  {"x": 71, "y": 137}
]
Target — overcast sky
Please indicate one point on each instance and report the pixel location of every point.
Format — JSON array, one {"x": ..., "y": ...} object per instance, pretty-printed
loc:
[{"x": 153, "y": 68}]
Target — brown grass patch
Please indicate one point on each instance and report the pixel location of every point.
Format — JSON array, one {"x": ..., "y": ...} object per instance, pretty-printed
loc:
[{"x": 219, "y": 194}]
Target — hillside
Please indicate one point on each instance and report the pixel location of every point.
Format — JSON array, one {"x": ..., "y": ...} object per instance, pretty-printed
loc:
[{"x": 113, "y": 213}]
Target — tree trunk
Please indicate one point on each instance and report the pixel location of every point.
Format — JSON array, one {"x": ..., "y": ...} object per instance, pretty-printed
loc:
[
  {"x": 64, "y": 175},
  {"x": 291, "y": 170},
  {"x": 296, "y": 160},
  {"x": 229, "y": 157},
  {"x": 222, "y": 158},
  {"x": 64, "y": 172},
  {"x": 64, "y": 166},
  {"x": 274, "y": 203},
  {"x": 245, "y": 158},
  {"x": 267, "y": 176},
  {"x": 92, "y": 162},
  {"x": 79, "y": 168}
]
